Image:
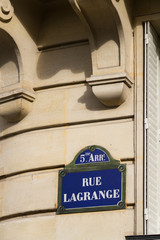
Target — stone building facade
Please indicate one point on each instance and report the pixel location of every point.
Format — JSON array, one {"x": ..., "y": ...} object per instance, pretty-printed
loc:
[{"x": 74, "y": 73}]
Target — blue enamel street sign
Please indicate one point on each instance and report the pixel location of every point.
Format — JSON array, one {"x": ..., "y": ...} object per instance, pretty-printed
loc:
[
  {"x": 92, "y": 189},
  {"x": 93, "y": 181}
]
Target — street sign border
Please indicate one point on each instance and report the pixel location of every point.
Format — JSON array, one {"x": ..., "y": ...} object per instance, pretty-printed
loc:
[{"x": 72, "y": 167}]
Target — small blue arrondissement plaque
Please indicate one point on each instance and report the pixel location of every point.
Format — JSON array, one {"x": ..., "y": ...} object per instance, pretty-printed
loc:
[
  {"x": 93, "y": 181},
  {"x": 95, "y": 156}
]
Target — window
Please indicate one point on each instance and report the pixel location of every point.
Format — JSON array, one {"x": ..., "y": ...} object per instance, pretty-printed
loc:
[{"x": 152, "y": 126}]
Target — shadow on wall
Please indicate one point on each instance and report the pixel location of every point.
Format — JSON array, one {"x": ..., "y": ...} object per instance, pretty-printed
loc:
[
  {"x": 4, "y": 125},
  {"x": 106, "y": 38},
  {"x": 91, "y": 102},
  {"x": 67, "y": 60},
  {"x": 130, "y": 9},
  {"x": 57, "y": 24},
  {"x": 29, "y": 13},
  {"x": 9, "y": 68}
]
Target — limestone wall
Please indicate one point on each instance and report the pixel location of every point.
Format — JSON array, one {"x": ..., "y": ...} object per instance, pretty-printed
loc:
[{"x": 64, "y": 116}]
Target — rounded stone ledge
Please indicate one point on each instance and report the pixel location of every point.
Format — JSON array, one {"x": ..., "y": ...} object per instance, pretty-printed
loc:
[
  {"x": 112, "y": 90},
  {"x": 26, "y": 193},
  {"x": 111, "y": 95},
  {"x": 54, "y": 151},
  {"x": 36, "y": 192},
  {"x": 29, "y": 228},
  {"x": 16, "y": 104},
  {"x": 59, "y": 227},
  {"x": 57, "y": 106}
]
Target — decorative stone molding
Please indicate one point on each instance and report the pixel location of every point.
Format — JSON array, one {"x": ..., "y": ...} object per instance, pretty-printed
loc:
[
  {"x": 15, "y": 104},
  {"x": 16, "y": 95},
  {"x": 111, "y": 90},
  {"x": 111, "y": 41},
  {"x": 6, "y": 10}
]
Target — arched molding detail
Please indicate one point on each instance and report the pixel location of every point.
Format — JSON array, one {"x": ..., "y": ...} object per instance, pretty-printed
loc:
[
  {"x": 125, "y": 33},
  {"x": 16, "y": 94},
  {"x": 111, "y": 40},
  {"x": 6, "y": 10}
]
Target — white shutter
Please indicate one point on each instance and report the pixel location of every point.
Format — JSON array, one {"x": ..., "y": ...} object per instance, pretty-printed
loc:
[{"x": 152, "y": 132}]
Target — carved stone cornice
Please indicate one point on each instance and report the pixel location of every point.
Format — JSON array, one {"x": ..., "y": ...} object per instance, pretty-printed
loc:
[
  {"x": 110, "y": 78},
  {"x": 10, "y": 95},
  {"x": 111, "y": 90},
  {"x": 6, "y": 10},
  {"x": 16, "y": 103},
  {"x": 110, "y": 36},
  {"x": 16, "y": 92}
]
